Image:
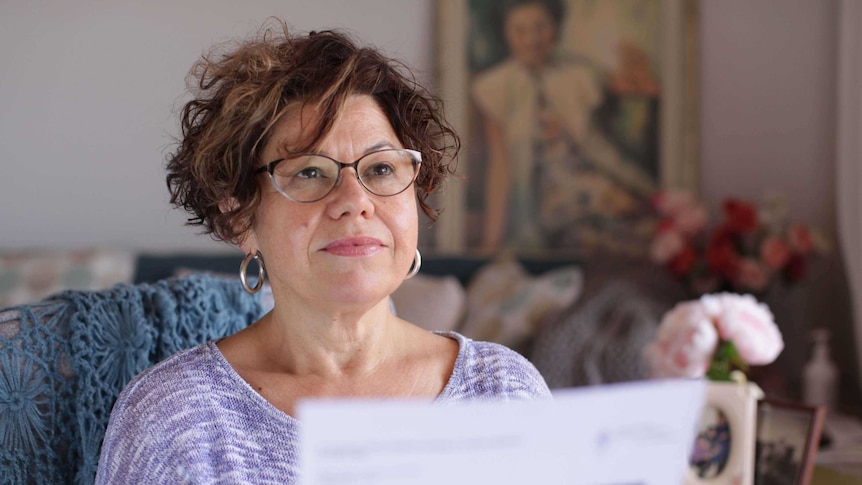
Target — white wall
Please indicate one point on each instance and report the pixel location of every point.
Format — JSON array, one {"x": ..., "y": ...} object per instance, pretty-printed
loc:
[
  {"x": 88, "y": 95},
  {"x": 768, "y": 102}
]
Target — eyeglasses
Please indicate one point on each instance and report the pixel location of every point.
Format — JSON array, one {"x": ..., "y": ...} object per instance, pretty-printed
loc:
[{"x": 310, "y": 177}]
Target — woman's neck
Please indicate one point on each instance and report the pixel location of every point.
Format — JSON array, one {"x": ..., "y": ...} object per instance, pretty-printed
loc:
[{"x": 302, "y": 340}]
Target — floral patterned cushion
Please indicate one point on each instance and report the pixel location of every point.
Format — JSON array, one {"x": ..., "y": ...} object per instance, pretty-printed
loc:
[
  {"x": 507, "y": 305},
  {"x": 29, "y": 276}
]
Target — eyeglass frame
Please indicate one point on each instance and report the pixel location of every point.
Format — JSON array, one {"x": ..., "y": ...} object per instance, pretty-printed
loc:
[{"x": 269, "y": 168}]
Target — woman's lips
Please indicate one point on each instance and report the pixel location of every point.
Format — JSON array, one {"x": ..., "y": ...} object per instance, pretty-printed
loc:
[{"x": 354, "y": 246}]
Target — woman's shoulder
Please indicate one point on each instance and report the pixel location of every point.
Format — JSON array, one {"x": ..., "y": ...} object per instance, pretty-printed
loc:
[
  {"x": 197, "y": 378},
  {"x": 183, "y": 369},
  {"x": 488, "y": 369},
  {"x": 484, "y": 351},
  {"x": 192, "y": 414},
  {"x": 180, "y": 360}
]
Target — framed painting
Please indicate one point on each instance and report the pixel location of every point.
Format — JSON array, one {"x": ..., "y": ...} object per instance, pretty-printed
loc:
[
  {"x": 788, "y": 436},
  {"x": 572, "y": 114},
  {"x": 723, "y": 450}
]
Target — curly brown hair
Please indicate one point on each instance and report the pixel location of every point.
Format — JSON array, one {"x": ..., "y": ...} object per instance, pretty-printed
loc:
[{"x": 240, "y": 95}]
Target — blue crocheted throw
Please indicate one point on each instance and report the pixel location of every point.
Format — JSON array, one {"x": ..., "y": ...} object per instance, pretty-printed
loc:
[{"x": 64, "y": 361}]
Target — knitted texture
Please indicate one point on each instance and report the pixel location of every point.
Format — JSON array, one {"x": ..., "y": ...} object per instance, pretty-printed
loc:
[
  {"x": 192, "y": 418},
  {"x": 598, "y": 340},
  {"x": 64, "y": 361}
]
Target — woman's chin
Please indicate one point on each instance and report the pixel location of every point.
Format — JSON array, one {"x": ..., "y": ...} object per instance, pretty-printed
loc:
[{"x": 360, "y": 288}]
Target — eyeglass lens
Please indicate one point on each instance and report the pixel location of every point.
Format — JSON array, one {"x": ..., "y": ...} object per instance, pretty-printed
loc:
[{"x": 308, "y": 178}]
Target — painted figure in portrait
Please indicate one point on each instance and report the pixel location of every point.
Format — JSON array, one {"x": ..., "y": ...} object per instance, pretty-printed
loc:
[{"x": 564, "y": 130}]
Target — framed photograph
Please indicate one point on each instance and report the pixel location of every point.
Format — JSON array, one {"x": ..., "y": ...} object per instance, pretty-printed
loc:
[
  {"x": 572, "y": 114},
  {"x": 723, "y": 449},
  {"x": 788, "y": 436}
]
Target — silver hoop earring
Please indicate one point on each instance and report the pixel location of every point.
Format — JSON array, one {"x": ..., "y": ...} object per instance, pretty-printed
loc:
[
  {"x": 261, "y": 272},
  {"x": 417, "y": 263}
]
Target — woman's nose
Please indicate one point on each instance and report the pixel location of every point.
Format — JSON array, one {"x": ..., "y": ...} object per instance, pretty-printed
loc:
[{"x": 349, "y": 195}]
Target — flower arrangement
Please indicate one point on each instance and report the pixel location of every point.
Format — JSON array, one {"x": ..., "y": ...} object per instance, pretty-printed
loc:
[
  {"x": 748, "y": 250},
  {"x": 715, "y": 336}
]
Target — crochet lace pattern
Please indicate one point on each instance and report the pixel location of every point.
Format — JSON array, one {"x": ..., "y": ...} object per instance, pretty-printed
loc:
[{"x": 64, "y": 361}]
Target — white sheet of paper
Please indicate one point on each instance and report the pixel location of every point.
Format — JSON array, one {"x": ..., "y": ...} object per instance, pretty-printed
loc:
[{"x": 633, "y": 433}]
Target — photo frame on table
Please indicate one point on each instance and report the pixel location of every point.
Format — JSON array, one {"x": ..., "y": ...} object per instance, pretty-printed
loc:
[
  {"x": 724, "y": 445},
  {"x": 788, "y": 436},
  {"x": 614, "y": 108}
]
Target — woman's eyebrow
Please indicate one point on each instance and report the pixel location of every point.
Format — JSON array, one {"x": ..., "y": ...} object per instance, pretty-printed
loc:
[
  {"x": 378, "y": 146},
  {"x": 381, "y": 145}
]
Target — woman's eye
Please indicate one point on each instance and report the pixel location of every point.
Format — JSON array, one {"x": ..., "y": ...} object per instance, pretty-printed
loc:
[
  {"x": 308, "y": 173},
  {"x": 381, "y": 170}
]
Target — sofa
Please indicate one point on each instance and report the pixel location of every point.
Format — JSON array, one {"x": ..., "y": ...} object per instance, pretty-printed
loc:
[
  {"x": 66, "y": 353},
  {"x": 566, "y": 316}
]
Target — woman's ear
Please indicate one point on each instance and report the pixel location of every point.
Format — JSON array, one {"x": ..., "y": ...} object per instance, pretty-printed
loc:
[
  {"x": 247, "y": 241},
  {"x": 228, "y": 204}
]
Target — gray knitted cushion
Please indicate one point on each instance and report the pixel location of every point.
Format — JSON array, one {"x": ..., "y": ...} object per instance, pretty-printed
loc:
[{"x": 598, "y": 339}]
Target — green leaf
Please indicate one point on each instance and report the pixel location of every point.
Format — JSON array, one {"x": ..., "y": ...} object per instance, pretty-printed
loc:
[{"x": 725, "y": 360}]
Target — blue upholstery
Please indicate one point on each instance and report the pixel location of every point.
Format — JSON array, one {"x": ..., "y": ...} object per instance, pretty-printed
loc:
[{"x": 64, "y": 361}]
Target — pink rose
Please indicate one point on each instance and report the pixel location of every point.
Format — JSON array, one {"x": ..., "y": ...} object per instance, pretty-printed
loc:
[
  {"x": 671, "y": 202},
  {"x": 667, "y": 244},
  {"x": 752, "y": 275},
  {"x": 747, "y": 323},
  {"x": 691, "y": 219},
  {"x": 774, "y": 252},
  {"x": 685, "y": 343}
]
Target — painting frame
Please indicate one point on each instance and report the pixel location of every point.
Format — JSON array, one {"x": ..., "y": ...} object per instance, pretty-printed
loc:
[
  {"x": 679, "y": 120},
  {"x": 738, "y": 402},
  {"x": 793, "y": 427}
]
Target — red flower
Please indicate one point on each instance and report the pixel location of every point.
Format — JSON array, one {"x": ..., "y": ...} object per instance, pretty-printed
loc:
[
  {"x": 774, "y": 252},
  {"x": 747, "y": 251},
  {"x": 721, "y": 254},
  {"x": 684, "y": 261},
  {"x": 665, "y": 224},
  {"x": 800, "y": 238},
  {"x": 740, "y": 216}
]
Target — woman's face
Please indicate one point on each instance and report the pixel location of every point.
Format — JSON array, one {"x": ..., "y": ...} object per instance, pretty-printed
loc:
[
  {"x": 352, "y": 246},
  {"x": 530, "y": 34}
]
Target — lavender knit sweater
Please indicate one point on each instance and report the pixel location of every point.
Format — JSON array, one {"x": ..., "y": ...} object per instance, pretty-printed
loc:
[{"x": 192, "y": 418}]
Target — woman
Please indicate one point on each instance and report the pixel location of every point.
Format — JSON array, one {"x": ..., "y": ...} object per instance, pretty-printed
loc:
[
  {"x": 553, "y": 180},
  {"x": 313, "y": 155}
]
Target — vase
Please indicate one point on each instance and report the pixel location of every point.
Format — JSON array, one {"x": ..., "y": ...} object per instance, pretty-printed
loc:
[{"x": 724, "y": 445}]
